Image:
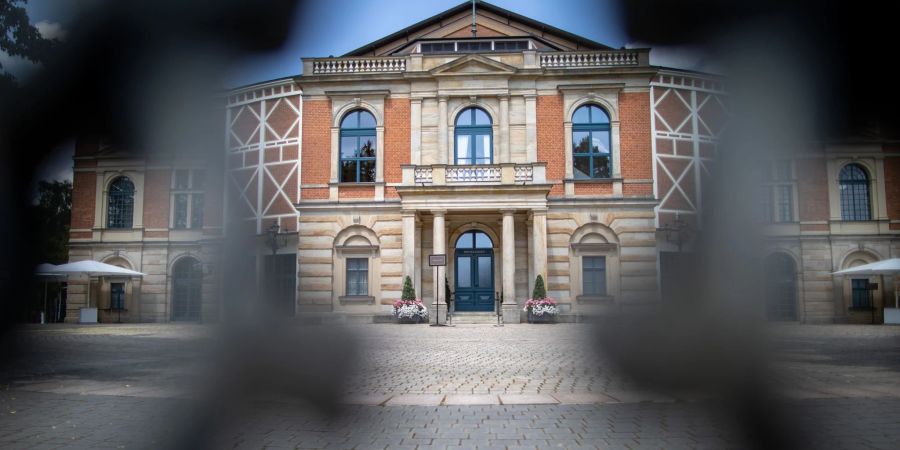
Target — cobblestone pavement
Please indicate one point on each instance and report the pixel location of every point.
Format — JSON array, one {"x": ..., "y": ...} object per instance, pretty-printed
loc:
[{"x": 520, "y": 386}]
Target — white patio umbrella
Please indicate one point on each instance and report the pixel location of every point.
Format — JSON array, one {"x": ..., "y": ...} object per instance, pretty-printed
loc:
[
  {"x": 884, "y": 267},
  {"x": 90, "y": 268}
]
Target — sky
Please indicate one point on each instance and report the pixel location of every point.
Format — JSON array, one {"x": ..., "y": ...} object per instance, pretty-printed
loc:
[{"x": 334, "y": 27}]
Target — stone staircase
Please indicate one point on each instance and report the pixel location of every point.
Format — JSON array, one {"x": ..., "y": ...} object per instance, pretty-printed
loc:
[{"x": 474, "y": 318}]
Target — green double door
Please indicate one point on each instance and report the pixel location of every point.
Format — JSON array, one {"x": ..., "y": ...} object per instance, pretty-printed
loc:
[{"x": 474, "y": 272}]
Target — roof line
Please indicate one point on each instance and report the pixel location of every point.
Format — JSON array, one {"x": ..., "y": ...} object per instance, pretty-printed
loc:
[{"x": 487, "y": 6}]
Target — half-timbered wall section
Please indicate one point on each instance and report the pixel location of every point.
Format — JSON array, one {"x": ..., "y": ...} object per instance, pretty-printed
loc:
[
  {"x": 264, "y": 129},
  {"x": 689, "y": 112}
]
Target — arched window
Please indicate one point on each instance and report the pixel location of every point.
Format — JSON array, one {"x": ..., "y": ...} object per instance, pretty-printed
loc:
[
  {"x": 358, "y": 147},
  {"x": 591, "y": 146},
  {"x": 474, "y": 139},
  {"x": 854, "y": 182},
  {"x": 187, "y": 282},
  {"x": 474, "y": 239},
  {"x": 120, "y": 204}
]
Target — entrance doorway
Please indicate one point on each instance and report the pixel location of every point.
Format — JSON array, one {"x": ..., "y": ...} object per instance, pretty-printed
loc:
[{"x": 474, "y": 272}]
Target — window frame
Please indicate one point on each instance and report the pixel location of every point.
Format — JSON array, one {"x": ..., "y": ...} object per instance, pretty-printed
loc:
[
  {"x": 585, "y": 271},
  {"x": 191, "y": 192},
  {"x": 779, "y": 177},
  {"x": 590, "y": 128},
  {"x": 851, "y": 195},
  {"x": 357, "y": 133},
  {"x": 472, "y": 131},
  {"x": 124, "y": 220},
  {"x": 868, "y": 302},
  {"x": 361, "y": 274}
]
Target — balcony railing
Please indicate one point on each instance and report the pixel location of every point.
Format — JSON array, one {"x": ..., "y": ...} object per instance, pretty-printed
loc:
[
  {"x": 576, "y": 60},
  {"x": 358, "y": 65},
  {"x": 481, "y": 174}
]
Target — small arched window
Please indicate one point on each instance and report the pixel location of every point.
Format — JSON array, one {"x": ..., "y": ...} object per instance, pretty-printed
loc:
[
  {"x": 120, "y": 204},
  {"x": 854, "y": 186},
  {"x": 591, "y": 153},
  {"x": 474, "y": 138},
  {"x": 358, "y": 147},
  {"x": 187, "y": 284}
]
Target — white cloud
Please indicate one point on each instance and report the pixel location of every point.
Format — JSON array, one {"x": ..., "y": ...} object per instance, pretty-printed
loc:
[
  {"x": 687, "y": 57},
  {"x": 20, "y": 67},
  {"x": 51, "y": 30}
]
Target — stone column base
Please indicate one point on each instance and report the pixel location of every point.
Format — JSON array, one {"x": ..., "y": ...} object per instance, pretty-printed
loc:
[{"x": 512, "y": 313}]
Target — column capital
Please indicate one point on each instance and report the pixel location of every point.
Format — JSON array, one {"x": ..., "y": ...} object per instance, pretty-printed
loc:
[
  {"x": 442, "y": 98},
  {"x": 539, "y": 212},
  {"x": 408, "y": 213},
  {"x": 508, "y": 211},
  {"x": 438, "y": 212}
]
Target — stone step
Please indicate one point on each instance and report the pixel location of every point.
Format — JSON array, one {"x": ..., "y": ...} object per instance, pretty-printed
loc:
[{"x": 469, "y": 318}]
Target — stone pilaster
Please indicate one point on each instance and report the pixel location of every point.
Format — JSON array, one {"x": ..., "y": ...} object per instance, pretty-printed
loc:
[
  {"x": 439, "y": 247},
  {"x": 443, "y": 152},
  {"x": 505, "y": 155},
  {"x": 539, "y": 244},
  {"x": 409, "y": 244}
]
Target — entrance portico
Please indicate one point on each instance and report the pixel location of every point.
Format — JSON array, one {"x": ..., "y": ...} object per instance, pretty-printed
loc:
[{"x": 495, "y": 239}]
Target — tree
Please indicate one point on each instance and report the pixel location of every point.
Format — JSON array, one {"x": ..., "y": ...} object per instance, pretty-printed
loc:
[
  {"x": 539, "y": 292},
  {"x": 18, "y": 37},
  {"x": 409, "y": 293},
  {"x": 51, "y": 215}
]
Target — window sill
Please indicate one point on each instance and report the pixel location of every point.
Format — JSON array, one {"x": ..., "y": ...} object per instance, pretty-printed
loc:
[
  {"x": 356, "y": 300},
  {"x": 596, "y": 299},
  {"x": 594, "y": 180},
  {"x": 353, "y": 183}
]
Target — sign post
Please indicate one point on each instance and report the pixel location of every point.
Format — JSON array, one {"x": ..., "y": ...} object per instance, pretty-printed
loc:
[{"x": 437, "y": 261}]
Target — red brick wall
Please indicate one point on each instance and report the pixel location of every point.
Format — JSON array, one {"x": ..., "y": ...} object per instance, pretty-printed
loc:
[
  {"x": 892, "y": 186},
  {"x": 551, "y": 139},
  {"x": 156, "y": 198},
  {"x": 812, "y": 189},
  {"x": 634, "y": 136},
  {"x": 594, "y": 188},
  {"x": 84, "y": 191},
  {"x": 396, "y": 141},
  {"x": 362, "y": 192},
  {"x": 316, "y": 157}
]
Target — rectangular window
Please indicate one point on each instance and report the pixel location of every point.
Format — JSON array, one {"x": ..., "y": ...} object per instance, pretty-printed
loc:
[
  {"x": 473, "y": 46},
  {"x": 438, "y": 47},
  {"x": 357, "y": 276},
  {"x": 510, "y": 45},
  {"x": 187, "y": 198},
  {"x": 117, "y": 296},
  {"x": 765, "y": 204},
  {"x": 196, "y": 210},
  {"x": 785, "y": 203},
  {"x": 281, "y": 283},
  {"x": 862, "y": 297},
  {"x": 593, "y": 275}
]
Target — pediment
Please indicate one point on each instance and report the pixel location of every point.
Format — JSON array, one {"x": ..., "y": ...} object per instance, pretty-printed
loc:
[{"x": 473, "y": 64}]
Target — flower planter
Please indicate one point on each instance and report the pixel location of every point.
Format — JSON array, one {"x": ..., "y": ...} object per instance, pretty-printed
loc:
[
  {"x": 543, "y": 318},
  {"x": 410, "y": 311}
]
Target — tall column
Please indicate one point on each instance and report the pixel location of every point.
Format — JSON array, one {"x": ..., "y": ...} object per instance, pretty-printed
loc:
[
  {"x": 539, "y": 244},
  {"x": 505, "y": 155},
  {"x": 439, "y": 247},
  {"x": 442, "y": 130},
  {"x": 409, "y": 245},
  {"x": 509, "y": 256}
]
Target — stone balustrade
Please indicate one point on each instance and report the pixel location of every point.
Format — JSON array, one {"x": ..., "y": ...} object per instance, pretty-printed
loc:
[
  {"x": 480, "y": 174},
  {"x": 322, "y": 66},
  {"x": 575, "y": 60}
]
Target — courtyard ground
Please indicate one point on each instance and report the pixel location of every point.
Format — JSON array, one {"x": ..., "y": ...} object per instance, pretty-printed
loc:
[{"x": 518, "y": 386}]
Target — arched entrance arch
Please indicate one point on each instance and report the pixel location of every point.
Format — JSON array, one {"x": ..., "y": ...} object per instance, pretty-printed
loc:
[
  {"x": 187, "y": 282},
  {"x": 781, "y": 287},
  {"x": 474, "y": 279}
]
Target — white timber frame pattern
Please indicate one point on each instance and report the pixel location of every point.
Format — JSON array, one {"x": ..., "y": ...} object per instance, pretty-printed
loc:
[
  {"x": 264, "y": 127},
  {"x": 688, "y": 118}
]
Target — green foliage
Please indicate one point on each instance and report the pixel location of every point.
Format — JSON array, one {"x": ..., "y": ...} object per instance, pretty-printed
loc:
[
  {"x": 18, "y": 37},
  {"x": 51, "y": 216},
  {"x": 540, "y": 292},
  {"x": 409, "y": 293}
]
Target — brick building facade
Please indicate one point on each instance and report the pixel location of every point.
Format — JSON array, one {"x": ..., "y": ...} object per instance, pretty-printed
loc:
[{"x": 520, "y": 151}]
